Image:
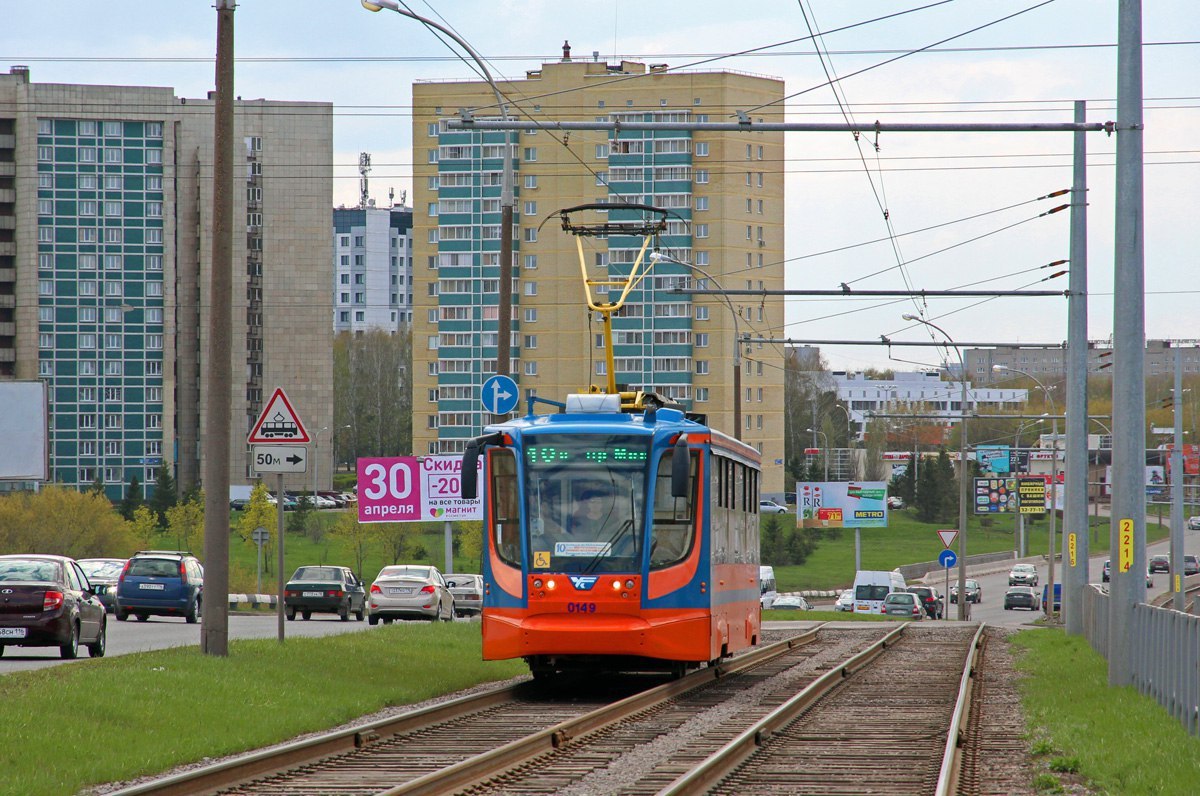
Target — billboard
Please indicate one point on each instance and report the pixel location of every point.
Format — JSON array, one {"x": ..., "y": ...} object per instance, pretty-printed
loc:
[
  {"x": 993, "y": 458},
  {"x": 1031, "y": 494},
  {"x": 995, "y": 495},
  {"x": 414, "y": 489},
  {"x": 24, "y": 428},
  {"x": 841, "y": 504},
  {"x": 1191, "y": 459}
]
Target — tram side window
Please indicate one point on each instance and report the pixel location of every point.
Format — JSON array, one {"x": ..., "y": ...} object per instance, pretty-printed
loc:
[
  {"x": 674, "y": 528},
  {"x": 507, "y": 529}
]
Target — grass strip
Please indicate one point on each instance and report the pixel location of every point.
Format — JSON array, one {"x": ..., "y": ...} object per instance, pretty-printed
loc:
[
  {"x": 68, "y": 727},
  {"x": 1114, "y": 739}
]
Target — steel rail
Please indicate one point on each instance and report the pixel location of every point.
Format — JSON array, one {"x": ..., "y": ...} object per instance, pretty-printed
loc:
[
  {"x": 948, "y": 774},
  {"x": 489, "y": 764},
  {"x": 276, "y": 760},
  {"x": 718, "y": 765}
]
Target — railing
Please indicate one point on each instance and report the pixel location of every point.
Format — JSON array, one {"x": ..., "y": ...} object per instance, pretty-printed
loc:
[{"x": 1166, "y": 652}]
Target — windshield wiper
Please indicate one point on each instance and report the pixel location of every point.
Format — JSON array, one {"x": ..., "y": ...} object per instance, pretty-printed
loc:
[{"x": 611, "y": 543}]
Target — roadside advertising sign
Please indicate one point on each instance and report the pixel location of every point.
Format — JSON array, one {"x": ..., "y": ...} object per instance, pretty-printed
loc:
[
  {"x": 1031, "y": 494},
  {"x": 841, "y": 504},
  {"x": 995, "y": 495},
  {"x": 414, "y": 489},
  {"x": 993, "y": 458}
]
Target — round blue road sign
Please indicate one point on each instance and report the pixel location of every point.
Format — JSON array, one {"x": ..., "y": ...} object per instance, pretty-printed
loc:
[
  {"x": 499, "y": 395},
  {"x": 947, "y": 558}
]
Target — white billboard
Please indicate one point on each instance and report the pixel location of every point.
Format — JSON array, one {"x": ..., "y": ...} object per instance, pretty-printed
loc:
[{"x": 24, "y": 456}]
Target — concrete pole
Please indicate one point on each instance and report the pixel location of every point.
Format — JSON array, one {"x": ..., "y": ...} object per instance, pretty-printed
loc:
[
  {"x": 1177, "y": 488},
  {"x": 1075, "y": 519},
  {"x": 1128, "y": 526},
  {"x": 214, "y": 636},
  {"x": 964, "y": 495},
  {"x": 1049, "y": 606}
]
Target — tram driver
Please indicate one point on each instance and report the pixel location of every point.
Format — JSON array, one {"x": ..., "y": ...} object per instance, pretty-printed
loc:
[{"x": 596, "y": 517}]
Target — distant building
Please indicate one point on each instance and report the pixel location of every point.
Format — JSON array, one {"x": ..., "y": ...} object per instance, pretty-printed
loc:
[
  {"x": 105, "y": 256},
  {"x": 372, "y": 268},
  {"x": 920, "y": 392},
  {"x": 1052, "y": 362}
]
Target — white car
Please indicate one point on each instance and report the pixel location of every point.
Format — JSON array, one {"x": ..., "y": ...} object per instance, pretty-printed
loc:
[
  {"x": 771, "y": 507},
  {"x": 895, "y": 502},
  {"x": 410, "y": 591},
  {"x": 845, "y": 601},
  {"x": 1193, "y": 524}
]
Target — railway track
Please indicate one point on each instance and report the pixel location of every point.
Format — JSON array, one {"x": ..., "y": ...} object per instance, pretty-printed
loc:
[{"x": 440, "y": 748}]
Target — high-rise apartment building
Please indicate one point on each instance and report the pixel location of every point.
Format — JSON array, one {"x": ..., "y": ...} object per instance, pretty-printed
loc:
[
  {"x": 372, "y": 268},
  {"x": 724, "y": 193},
  {"x": 105, "y": 256}
]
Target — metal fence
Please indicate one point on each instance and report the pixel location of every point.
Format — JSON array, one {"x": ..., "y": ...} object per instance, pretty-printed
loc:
[{"x": 1166, "y": 657}]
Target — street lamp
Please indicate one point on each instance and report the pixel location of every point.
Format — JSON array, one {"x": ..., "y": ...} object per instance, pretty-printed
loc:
[
  {"x": 963, "y": 493},
  {"x": 826, "y": 456},
  {"x": 657, "y": 256},
  {"x": 504, "y": 314},
  {"x": 1049, "y": 606},
  {"x": 849, "y": 422}
]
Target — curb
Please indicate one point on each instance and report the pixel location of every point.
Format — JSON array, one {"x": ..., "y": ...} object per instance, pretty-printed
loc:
[{"x": 252, "y": 600}]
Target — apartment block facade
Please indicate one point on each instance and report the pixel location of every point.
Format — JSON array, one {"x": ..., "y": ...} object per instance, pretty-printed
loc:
[
  {"x": 372, "y": 268},
  {"x": 105, "y": 271},
  {"x": 724, "y": 194},
  {"x": 1052, "y": 362}
]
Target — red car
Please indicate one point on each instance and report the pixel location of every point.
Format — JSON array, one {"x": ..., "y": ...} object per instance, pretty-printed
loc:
[{"x": 47, "y": 601}]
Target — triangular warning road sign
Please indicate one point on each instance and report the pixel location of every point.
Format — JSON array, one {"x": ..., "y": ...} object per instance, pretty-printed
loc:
[
  {"x": 947, "y": 537},
  {"x": 279, "y": 422}
]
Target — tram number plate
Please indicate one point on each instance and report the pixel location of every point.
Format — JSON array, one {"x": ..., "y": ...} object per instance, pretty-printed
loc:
[{"x": 581, "y": 608}]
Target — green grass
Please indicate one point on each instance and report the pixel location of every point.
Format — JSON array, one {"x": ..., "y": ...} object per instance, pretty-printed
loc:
[
  {"x": 118, "y": 718},
  {"x": 1115, "y": 739},
  {"x": 907, "y": 541}
]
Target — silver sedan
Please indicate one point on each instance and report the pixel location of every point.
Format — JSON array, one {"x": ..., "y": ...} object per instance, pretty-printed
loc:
[{"x": 409, "y": 591}]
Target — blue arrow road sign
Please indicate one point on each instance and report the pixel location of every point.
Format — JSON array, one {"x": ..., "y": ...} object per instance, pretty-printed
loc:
[
  {"x": 947, "y": 558},
  {"x": 499, "y": 395}
]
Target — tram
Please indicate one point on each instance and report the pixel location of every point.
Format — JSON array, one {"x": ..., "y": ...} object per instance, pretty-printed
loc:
[{"x": 621, "y": 534}]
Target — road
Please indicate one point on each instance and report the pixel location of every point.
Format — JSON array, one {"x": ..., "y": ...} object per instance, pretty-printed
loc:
[{"x": 163, "y": 632}]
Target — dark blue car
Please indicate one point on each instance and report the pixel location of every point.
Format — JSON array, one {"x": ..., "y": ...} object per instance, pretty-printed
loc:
[{"x": 161, "y": 583}]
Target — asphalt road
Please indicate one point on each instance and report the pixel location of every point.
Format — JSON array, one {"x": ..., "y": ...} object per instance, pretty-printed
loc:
[{"x": 162, "y": 632}]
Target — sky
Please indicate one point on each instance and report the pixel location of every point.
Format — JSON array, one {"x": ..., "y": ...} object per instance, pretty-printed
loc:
[{"x": 931, "y": 211}]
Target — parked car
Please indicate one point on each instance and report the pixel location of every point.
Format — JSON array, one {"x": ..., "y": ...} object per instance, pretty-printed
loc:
[
  {"x": 468, "y": 593},
  {"x": 324, "y": 590},
  {"x": 103, "y": 573},
  {"x": 409, "y": 591},
  {"x": 1107, "y": 573},
  {"x": 339, "y": 500},
  {"x": 895, "y": 502},
  {"x": 1191, "y": 565},
  {"x": 1160, "y": 563},
  {"x": 1022, "y": 597},
  {"x": 1023, "y": 575},
  {"x": 1193, "y": 524},
  {"x": 790, "y": 602},
  {"x": 974, "y": 592},
  {"x": 47, "y": 601},
  {"x": 771, "y": 507},
  {"x": 903, "y": 603},
  {"x": 239, "y": 504},
  {"x": 161, "y": 583},
  {"x": 931, "y": 600},
  {"x": 845, "y": 601}
]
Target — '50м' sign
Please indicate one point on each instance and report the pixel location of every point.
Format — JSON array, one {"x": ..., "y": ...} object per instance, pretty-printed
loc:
[{"x": 411, "y": 489}]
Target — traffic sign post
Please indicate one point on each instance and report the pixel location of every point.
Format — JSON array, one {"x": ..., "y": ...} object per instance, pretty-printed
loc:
[
  {"x": 278, "y": 423},
  {"x": 281, "y": 458},
  {"x": 948, "y": 559},
  {"x": 260, "y": 535},
  {"x": 499, "y": 395}
]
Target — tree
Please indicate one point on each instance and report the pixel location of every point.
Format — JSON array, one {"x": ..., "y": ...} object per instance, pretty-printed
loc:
[
  {"x": 372, "y": 394},
  {"x": 132, "y": 499},
  {"x": 259, "y": 513},
  {"x": 185, "y": 521},
  {"x": 398, "y": 541},
  {"x": 357, "y": 536},
  {"x": 808, "y": 396},
  {"x": 144, "y": 526},
  {"x": 771, "y": 545},
  {"x": 877, "y": 469},
  {"x": 164, "y": 496},
  {"x": 948, "y": 487},
  {"x": 63, "y": 521},
  {"x": 928, "y": 499},
  {"x": 97, "y": 487}
]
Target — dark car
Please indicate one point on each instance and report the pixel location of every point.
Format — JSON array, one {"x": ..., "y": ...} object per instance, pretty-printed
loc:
[
  {"x": 1022, "y": 597},
  {"x": 325, "y": 590},
  {"x": 161, "y": 583},
  {"x": 46, "y": 601},
  {"x": 239, "y": 504},
  {"x": 974, "y": 592},
  {"x": 931, "y": 599},
  {"x": 1160, "y": 563},
  {"x": 103, "y": 573}
]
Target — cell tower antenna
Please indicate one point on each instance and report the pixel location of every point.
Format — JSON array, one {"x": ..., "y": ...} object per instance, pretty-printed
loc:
[{"x": 364, "y": 167}]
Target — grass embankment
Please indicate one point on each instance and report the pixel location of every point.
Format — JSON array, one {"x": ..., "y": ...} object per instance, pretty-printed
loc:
[
  {"x": 112, "y": 719},
  {"x": 1114, "y": 739},
  {"x": 907, "y": 541}
]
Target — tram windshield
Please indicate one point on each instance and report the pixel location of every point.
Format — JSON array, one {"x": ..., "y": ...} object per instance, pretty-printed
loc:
[{"x": 585, "y": 501}]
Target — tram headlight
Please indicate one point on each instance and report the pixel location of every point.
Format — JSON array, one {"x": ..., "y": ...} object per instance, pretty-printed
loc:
[
  {"x": 550, "y": 584},
  {"x": 616, "y": 584}
]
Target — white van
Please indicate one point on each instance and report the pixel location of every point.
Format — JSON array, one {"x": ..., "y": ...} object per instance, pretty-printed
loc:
[
  {"x": 871, "y": 586},
  {"x": 766, "y": 587}
]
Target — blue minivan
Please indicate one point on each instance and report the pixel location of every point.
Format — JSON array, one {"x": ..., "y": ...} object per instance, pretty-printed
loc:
[{"x": 161, "y": 583}]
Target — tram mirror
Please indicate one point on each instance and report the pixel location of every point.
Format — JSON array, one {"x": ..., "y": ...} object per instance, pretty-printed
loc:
[
  {"x": 680, "y": 472},
  {"x": 470, "y": 487}
]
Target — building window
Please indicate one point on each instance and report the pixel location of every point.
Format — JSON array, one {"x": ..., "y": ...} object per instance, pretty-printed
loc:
[
  {"x": 530, "y": 154},
  {"x": 530, "y": 262},
  {"x": 701, "y": 367},
  {"x": 113, "y": 289},
  {"x": 531, "y": 181},
  {"x": 702, "y": 313},
  {"x": 87, "y": 288},
  {"x": 154, "y": 289},
  {"x": 113, "y": 235},
  {"x": 112, "y": 342},
  {"x": 154, "y": 157},
  {"x": 45, "y": 287},
  {"x": 45, "y": 341},
  {"x": 531, "y": 234},
  {"x": 702, "y": 340},
  {"x": 530, "y": 208},
  {"x": 112, "y": 262},
  {"x": 87, "y": 341},
  {"x": 45, "y": 235},
  {"x": 530, "y": 368},
  {"x": 702, "y": 230},
  {"x": 531, "y": 316},
  {"x": 531, "y": 288},
  {"x": 154, "y": 342}
]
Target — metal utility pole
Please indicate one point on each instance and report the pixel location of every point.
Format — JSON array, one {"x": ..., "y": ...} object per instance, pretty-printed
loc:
[
  {"x": 1177, "y": 566},
  {"x": 214, "y": 636},
  {"x": 1075, "y": 519},
  {"x": 1128, "y": 508}
]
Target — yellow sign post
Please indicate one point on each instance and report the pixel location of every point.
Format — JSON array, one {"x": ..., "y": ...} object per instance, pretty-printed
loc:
[
  {"x": 1125, "y": 545},
  {"x": 1071, "y": 548}
]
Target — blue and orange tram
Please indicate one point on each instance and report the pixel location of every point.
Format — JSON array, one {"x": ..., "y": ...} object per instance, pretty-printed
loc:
[{"x": 616, "y": 540}]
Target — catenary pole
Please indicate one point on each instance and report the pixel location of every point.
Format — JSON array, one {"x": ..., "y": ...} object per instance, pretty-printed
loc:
[
  {"x": 1177, "y": 564},
  {"x": 214, "y": 635},
  {"x": 1075, "y": 518},
  {"x": 1128, "y": 509}
]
